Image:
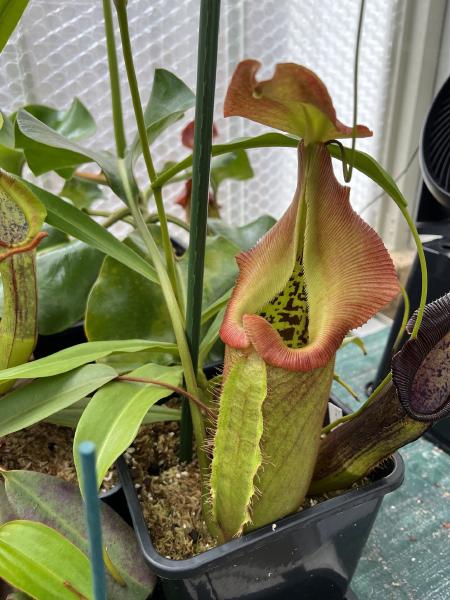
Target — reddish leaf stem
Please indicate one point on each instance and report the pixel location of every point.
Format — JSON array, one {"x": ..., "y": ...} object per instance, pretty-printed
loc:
[{"x": 169, "y": 386}]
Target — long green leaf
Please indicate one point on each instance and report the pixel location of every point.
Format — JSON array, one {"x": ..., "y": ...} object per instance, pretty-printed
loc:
[
  {"x": 81, "y": 354},
  {"x": 210, "y": 337},
  {"x": 76, "y": 123},
  {"x": 362, "y": 161},
  {"x": 216, "y": 306},
  {"x": 265, "y": 140},
  {"x": 58, "y": 504},
  {"x": 69, "y": 417},
  {"x": 68, "y": 218},
  {"x": 10, "y": 13},
  {"x": 41, "y": 562},
  {"x": 39, "y": 399},
  {"x": 47, "y": 149},
  {"x": 115, "y": 413}
]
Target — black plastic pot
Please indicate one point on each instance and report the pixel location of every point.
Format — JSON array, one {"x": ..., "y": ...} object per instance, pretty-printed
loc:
[
  {"x": 115, "y": 499},
  {"x": 311, "y": 555}
]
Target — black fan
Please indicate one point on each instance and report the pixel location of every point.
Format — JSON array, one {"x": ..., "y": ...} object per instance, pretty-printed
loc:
[
  {"x": 433, "y": 217},
  {"x": 435, "y": 147}
]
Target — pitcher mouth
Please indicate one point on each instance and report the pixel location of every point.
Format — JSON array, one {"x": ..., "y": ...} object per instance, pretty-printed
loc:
[
  {"x": 421, "y": 369},
  {"x": 320, "y": 259}
]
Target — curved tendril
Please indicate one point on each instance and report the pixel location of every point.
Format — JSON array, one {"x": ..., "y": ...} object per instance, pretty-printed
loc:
[
  {"x": 406, "y": 309},
  {"x": 347, "y": 167},
  {"x": 355, "y": 87},
  {"x": 360, "y": 410}
]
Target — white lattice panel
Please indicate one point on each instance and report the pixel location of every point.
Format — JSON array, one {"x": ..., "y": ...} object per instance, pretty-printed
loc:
[{"x": 58, "y": 52}]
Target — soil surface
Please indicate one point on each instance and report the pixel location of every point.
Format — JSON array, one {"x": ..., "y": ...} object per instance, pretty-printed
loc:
[
  {"x": 169, "y": 492},
  {"x": 44, "y": 448}
]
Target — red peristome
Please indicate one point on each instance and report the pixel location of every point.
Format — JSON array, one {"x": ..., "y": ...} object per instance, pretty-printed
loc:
[{"x": 271, "y": 347}]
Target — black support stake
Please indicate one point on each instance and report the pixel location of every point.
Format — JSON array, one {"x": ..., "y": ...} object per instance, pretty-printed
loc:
[{"x": 204, "y": 110}]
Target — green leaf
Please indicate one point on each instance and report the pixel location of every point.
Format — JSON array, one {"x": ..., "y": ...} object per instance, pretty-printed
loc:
[
  {"x": 6, "y": 130},
  {"x": 55, "y": 237},
  {"x": 125, "y": 362},
  {"x": 220, "y": 268},
  {"x": 10, "y": 13},
  {"x": 265, "y": 140},
  {"x": 215, "y": 306},
  {"x": 76, "y": 123},
  {"x": 69, "y": 417},
  {"x": 170, "y": 98},
  {"x": 115, "y": 413},
  {"x": 75, "y": 356},
  {"x": 11, "y": 160},
  {"x": 137, "y": 307},
  {"x": 34, "y": 402},
  {"x": 65, "y": 275},
  {"x": 121, "y": 302},
  {"x": 244, "y": 237},
  {"x": 68, "y": 218},
  {"x": 47, "y": 150},
  {"x": 362, "y": 161},
  {"x": 80, "y": 192},
  {"x": 211, "y": 337},
  {"x": 234, "y": 165},
  {"x": 7, "y": 512},
  {"x": 42, "y": 563},
  {"x": 58, "y": 504},
  {"x": 370, "y": 167}
]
